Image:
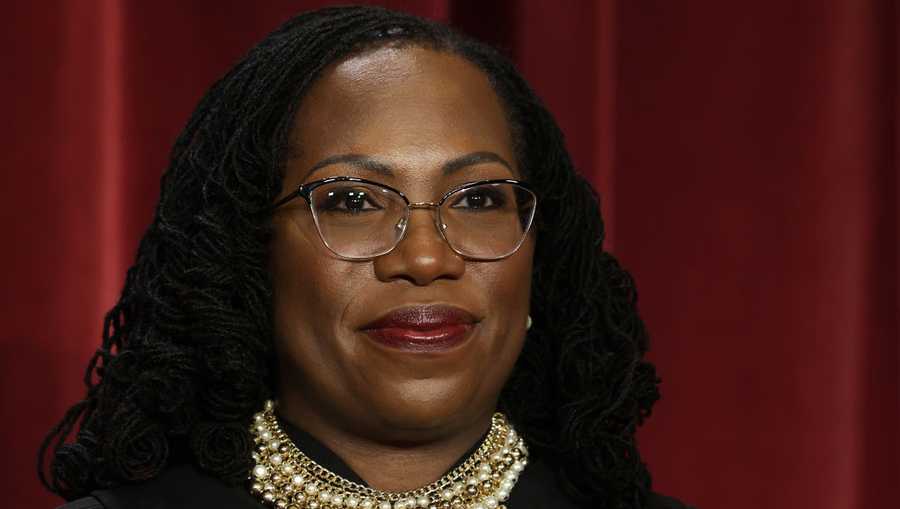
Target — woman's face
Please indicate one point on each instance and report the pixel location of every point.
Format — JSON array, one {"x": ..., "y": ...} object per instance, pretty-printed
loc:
[{"x": 411, "y": 111}]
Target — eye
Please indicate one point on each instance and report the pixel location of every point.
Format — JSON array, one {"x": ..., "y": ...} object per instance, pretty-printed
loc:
[
  {"x": 479, "y": 198},
  {"x": 348, "y": 200}
]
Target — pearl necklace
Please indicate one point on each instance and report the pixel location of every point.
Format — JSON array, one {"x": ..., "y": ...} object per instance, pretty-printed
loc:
[{"x": 285, "y": 478}]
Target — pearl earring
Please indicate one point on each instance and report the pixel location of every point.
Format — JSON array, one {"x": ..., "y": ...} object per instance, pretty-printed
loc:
[{"x": 528, "y": 323}]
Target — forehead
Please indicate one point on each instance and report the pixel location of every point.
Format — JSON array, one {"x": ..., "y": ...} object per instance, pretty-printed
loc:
[{"x": 412, "y": 108}]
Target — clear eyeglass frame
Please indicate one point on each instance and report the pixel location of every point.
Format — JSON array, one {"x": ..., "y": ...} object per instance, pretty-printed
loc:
[{"x": 305, "y": 191}]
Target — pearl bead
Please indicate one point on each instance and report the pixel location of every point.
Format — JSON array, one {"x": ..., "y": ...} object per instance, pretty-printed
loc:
[{"x": 283, "y": 483}]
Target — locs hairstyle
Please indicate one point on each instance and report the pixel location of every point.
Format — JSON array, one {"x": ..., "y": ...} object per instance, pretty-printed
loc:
[{"x": 187, "y": 357}]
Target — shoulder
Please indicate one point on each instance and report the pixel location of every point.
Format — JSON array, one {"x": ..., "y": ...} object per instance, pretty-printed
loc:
[
  {"x": 83, "y": 503},
  {"x": 657, "y": 501},
  {"x": 178, "y": 487}
]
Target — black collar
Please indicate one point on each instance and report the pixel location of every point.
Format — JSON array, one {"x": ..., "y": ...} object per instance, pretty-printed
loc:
[{"x": 318, "y": 452}]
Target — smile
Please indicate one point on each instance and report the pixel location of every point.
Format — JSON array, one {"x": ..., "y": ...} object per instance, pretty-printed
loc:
[
  {"x": 430, "y": 328},
  {"x": 435, "y": 339}
]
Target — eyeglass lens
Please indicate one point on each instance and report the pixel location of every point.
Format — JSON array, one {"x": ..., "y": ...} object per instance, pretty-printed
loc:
[{"x": 360, "y": 220}]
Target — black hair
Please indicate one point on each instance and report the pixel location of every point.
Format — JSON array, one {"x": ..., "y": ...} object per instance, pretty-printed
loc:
[{"x": 186, "y": 356}]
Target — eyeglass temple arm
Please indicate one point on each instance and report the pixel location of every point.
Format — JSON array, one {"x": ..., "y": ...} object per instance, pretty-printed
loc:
[{"x": 299, "y": 192}]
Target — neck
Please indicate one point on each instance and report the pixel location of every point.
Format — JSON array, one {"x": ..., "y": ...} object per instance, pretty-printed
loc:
[{"x": 387, "y": 461}]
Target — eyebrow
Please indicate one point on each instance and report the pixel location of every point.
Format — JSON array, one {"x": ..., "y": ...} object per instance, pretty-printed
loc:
[{"x": 368, "y": 163}]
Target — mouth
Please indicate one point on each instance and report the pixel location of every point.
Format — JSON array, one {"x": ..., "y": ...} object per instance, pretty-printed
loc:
[{"x": 432, "y": 328}]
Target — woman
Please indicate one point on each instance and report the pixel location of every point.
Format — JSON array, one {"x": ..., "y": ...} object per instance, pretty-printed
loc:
[{"x": 373, "y": 280}]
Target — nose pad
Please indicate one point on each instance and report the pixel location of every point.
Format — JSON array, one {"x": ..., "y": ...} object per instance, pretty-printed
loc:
[{"x": 402, "y": 224}]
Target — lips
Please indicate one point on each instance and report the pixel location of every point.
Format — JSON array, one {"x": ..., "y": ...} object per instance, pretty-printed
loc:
[{"x": 422, "y": 328}]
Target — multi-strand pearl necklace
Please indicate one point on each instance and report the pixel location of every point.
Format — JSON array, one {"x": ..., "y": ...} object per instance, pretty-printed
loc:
[{"x": 285, "y": 478}]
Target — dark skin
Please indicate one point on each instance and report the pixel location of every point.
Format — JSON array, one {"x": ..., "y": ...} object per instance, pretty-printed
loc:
[{"x": 399, "y": 419}]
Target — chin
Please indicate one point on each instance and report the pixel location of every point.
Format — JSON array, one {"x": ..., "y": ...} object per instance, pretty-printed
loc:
[{"x": 430, "y": 407}]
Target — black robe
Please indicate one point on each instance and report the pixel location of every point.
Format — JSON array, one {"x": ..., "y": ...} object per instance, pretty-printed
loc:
[{"x": 185, "y": 487}]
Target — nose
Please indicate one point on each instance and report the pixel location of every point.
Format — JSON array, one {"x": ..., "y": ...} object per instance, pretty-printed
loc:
[{"x": 422, "y": 256}]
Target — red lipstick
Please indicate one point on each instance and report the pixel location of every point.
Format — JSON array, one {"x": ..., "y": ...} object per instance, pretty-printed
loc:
[{"x": 422, "y": 328}]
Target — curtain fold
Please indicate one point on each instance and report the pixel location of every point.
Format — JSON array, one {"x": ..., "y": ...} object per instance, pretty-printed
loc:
[
  {"x": 756, "y": 204},
  {"x": 747, "y": 162}
]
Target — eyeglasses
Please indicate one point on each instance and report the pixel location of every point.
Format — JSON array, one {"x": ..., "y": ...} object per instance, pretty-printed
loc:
[{"x": 359, "y": 219}]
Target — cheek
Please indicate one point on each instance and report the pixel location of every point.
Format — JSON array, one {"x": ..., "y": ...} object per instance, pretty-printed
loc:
[
  {"x": 507, "y": 286},
  {"x": 311, "y": 290}
]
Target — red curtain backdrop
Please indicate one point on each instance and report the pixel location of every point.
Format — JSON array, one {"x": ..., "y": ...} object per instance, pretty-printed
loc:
[{"x": 747, "y": 155}]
